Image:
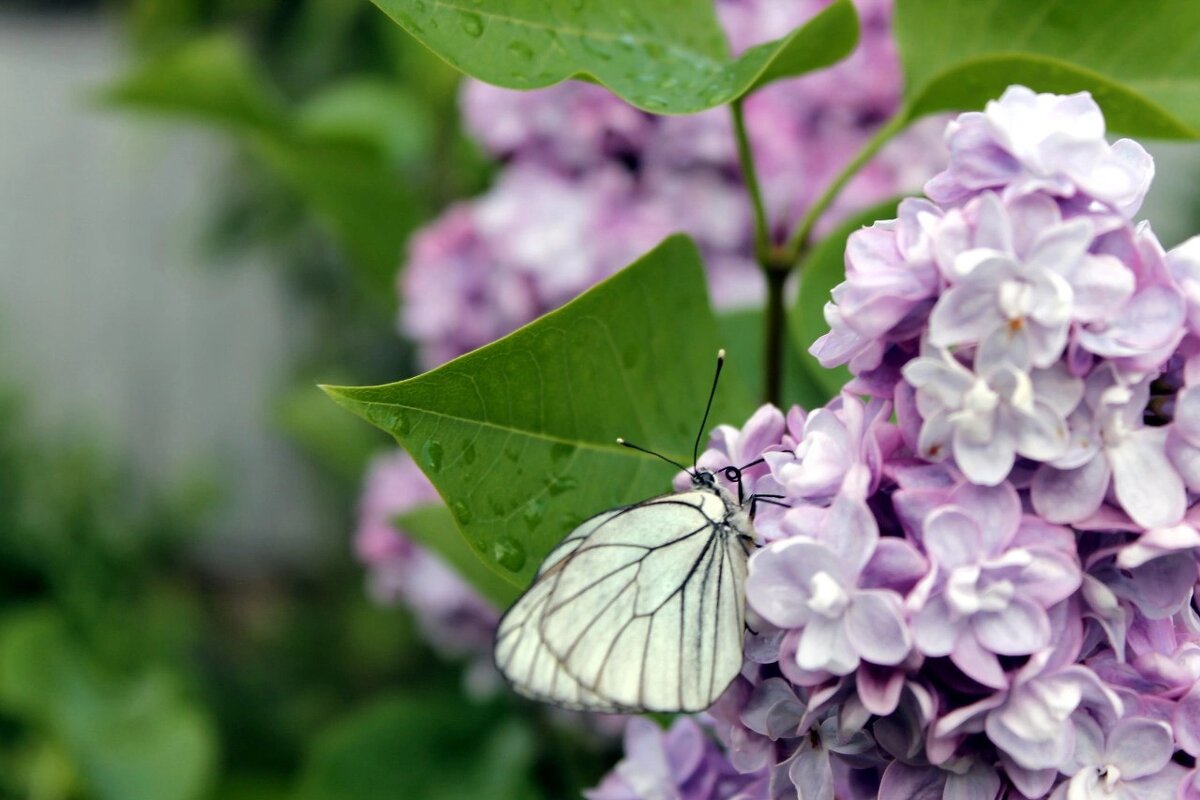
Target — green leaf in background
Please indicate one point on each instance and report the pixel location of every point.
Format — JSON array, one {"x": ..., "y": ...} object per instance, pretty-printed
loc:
[
  {"x": 430, "y": 747},
  {"x": 364, "y": 202},
  {"x": 1141, "y": 61},
  {"x": 667, "y": 58},
  {"x": 519, "y": 436},
  {"x": 213, "y": 79},
  {"x": 132, "y": 738},
  {"x": 370, "y": 112},
  {"x": 433, "y": 527},
  {"x": 742, "y": 333},
  {"x": 823, "y": 269}
]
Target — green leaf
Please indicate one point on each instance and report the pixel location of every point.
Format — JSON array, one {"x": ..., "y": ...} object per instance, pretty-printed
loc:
[
  {"x": 519, "y": 436},
  {"x": 365, "y": 204},
  {"x": 1141, "y": 61},
  {"x": 213, "y": 79},
  {"x": 370, "y": 112},
  {"x": 430, "y": 747},
  {"x": 355, "y": 191},
  {"x": 823, "y": 269},
  {"x": 130, "y": 738},
  {"x": 433, "y": 526},
  {"x": 664, "y": 57}
]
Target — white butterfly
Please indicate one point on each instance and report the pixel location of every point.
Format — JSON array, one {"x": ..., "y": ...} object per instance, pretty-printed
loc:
[{"x": 640, "y": 608}]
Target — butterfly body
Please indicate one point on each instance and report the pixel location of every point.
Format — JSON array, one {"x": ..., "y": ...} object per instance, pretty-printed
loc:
[{"x": 640, "y": 608}]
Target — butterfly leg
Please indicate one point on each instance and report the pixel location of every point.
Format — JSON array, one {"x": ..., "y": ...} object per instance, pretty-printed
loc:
[{"x": 770, "y": 499}]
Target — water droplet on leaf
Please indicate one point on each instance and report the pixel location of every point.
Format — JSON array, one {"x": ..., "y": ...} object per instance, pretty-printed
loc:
[
  {"x": 461, "y": 512},
  {"x": 563, "y": 483},
  {"x": 560, "y": 451},
  {"x": 509, "y": 554},
  {"x": 469, "y": 455},
  {"x": 431, "y": 455},
  {"x": 472, "y": 23},
  {"x": 534, "y": 511},
  {"x": 520, "y": 50}
]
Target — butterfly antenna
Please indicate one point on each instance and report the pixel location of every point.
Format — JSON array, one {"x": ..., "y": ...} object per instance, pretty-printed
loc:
[
  {"x": 640, "y": 449},
  {"x": 711, "y": 394}
]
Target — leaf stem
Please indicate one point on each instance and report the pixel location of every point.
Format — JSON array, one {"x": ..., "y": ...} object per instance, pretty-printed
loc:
[
  {"x": 797, "y": 246},
  {"x": 762, "y": 233},
  {"x": 770, "y": 258}
]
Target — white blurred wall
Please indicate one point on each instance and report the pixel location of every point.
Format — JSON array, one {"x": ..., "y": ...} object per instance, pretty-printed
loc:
[{"x": 109, "y": 312}]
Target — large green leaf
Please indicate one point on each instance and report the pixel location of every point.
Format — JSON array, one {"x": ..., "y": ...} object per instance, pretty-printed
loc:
[
  {"x": 823, "y": 269},
  {"x": 433, "y": 526},
  {"x": 1140, "y": 60},
  {"x": 665, "y": 57},
  {"x": 519, "y": 436},
  {"x": 431, "y": 747}
]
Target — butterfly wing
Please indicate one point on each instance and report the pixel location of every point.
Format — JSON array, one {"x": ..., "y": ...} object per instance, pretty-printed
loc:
[{"x": 638, "y": 609}]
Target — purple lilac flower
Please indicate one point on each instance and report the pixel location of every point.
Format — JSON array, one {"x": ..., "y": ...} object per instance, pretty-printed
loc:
[
  {"x": 590, "y": 183},
  {"x": 681, "y": 763},
  {"x": 993, "y": 596},
  {"x": 451, "y": 614}
]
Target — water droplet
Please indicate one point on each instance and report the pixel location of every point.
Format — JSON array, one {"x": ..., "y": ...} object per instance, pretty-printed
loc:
[
  {"x": 595, "y": 49},
  {"x": 469, "y": 455},
  {"x": 461, "y": 512},
  {"x": 563, "y": 483},
  {"x": 561, "y": 451},
  {"x": 654, "y": 102},
  {"x": 534, "y": 511},
  {"x": 508, "y": 553},
  {"x": 512, "y": 454},
  {"x": 520, "y": 50},
  {"x": 472, "y": 23},
  {"x": 431, "y": 455},
  {"x": 670, "y": 82},
  {"x": 401, "y": 425}
]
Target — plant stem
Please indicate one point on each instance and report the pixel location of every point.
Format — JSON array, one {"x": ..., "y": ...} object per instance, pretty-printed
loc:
[
  {"x": 762, "y": 232},
  {"x": 770, "y": 258},
  {"x": 797, "y": 246},
  {"x": 773, "y": 336}
]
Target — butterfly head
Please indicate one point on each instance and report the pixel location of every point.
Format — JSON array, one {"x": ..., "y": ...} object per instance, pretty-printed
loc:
[{"x": 703, "y": 479}]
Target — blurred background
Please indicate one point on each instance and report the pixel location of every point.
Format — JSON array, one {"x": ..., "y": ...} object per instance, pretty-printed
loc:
[{"x": 203, "y": 207}]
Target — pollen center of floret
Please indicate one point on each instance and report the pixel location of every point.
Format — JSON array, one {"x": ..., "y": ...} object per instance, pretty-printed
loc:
[{"x": 826, "y": 596}]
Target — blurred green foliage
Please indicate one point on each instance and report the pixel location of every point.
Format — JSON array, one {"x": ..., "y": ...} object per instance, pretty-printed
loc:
[{"x": 129, "y": 667}]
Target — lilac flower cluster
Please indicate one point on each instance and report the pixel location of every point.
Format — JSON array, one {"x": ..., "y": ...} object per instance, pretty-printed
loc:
[
  {"x": 452, "y": 615},
  {"x": 984, "y": 582},
  {"x": 590, "y": 183}
]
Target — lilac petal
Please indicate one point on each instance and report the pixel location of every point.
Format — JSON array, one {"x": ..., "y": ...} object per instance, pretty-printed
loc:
[
  {"x": 1158, "y": 543},
  {"x": 1160, "y": 588},
  {"x": 777, "y": 586},
  {"x": 1030, "y": 782},
  {"x": 811, "y": 774},
  {"x": 1052, "y": 576},
  {"x": 980, "y": 782},
  {"x": 773, "y": 709},
  {"x": 874, "y": 623},
  {"x": 997, "y": 510},
  {"x": 936, "y": 630},
  {"x": 912, "y": 783},
  {"x": 1186, "y": 721},
  {"x": 964, "y": 314},
  {"x": 879, "y": 688},
  {"x": 1070, "y": 495},
  {"x": 1145, "y": 482},
  {"x": 1139, "y": 747},
  {"x": 824, "y": 645},
  {"x": 896, "y": 564},
  {"x": 1101, "y": 283},
  {"x": 1187, "y": 414},
  {"x": 851, "y": 532},
  {"x": 978, "y": 663},
  {"x": 986, "y": 463},
  {"x": 952, "y": 537},
  {"x": 1043, "y": 434},
  {"x": 1018, "y": 630}
]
